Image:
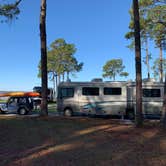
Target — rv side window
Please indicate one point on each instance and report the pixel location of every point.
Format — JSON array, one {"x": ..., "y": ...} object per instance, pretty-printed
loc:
[
  {"x": 66, "y": 92},
  {"x": 90, "y": 91},
  {"x": 112, "y": 91},
  {"x": 151, "y": 93}
]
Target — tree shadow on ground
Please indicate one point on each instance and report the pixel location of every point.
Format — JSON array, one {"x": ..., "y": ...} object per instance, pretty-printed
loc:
[{"x": 85, "y": 141}]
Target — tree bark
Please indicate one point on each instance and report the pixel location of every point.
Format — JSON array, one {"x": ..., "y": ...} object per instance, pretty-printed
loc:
[
  {"x": 59, "y": 79},
  {"x": 56, "y": 78},
  {"x": 161, "y": 64},
  {"x": 43, "y": 40},
  {"x": 54, "y": 85},
  {"x": 18, "y": 2},
  {"x": 147, "y": 58},
  {"x": 63, "y": 77},
  {"x": 138, "y": 118},
  {"x": 67, "y": 76}
]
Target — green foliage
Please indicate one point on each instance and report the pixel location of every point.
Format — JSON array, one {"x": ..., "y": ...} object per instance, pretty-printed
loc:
[
  {"x": 9, "y": 10},
  {"x": 152, "y": 21},
  {"x": 158, "y": 32},
  {"x": 147, "y": 59},
  {"x": 114, "y": 67},
  {"x": 152, "y": 26},
  {"x": 61, "y": 60},
  {"x": 124, "y": 74},
  {"x": 152, "y": 14},
  {"x": 157, "y": 16},
  {"x": 156, "y": 67},
  {"x": 144, "y": 21}
]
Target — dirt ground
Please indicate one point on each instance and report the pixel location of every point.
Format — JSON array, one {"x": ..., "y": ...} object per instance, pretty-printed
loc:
[{"x": 80, "y": 141}]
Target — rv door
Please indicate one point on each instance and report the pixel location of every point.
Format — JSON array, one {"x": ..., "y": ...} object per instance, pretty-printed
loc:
[{"x": 65, "y": 98}]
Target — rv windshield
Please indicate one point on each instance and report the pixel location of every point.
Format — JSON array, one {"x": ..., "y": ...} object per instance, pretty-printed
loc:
[{"x": 66, "y": 92}]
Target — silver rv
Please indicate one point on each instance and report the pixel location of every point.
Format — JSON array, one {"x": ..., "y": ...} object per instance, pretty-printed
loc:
[{"x": 108, "y": 98}]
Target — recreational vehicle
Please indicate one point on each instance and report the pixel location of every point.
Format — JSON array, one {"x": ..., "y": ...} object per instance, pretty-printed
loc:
[{"x": 109, "y": 98}]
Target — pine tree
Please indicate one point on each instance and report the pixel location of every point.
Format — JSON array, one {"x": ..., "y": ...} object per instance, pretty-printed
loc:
[{"x": 43, "y": 39}]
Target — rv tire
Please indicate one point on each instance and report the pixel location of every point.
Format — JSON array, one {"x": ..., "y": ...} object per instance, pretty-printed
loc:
[{"x": 68, "y": 112}]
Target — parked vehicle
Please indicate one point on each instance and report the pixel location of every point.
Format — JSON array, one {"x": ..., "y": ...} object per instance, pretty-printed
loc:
[
  {"x": 109, "y": 98},
  {"x": 50, "y": 92},
  {"x": 15, "y": 104},
  {"x": 37, "y": 102}
]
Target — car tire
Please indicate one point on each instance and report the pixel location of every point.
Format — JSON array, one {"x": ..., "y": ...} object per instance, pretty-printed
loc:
[
  {"x": 22, "y": 111},
  {"x": 2, "y": 112},
  {"x": 68, "y": 112}
]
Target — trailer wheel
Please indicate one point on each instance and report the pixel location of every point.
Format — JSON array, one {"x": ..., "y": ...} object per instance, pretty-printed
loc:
[
  {"x": 68, "y": 112},
  {"x": 130, "y": 114}
]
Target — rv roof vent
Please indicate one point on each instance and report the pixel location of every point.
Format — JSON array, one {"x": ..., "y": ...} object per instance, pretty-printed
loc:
[{"x": 97, "y": 80}]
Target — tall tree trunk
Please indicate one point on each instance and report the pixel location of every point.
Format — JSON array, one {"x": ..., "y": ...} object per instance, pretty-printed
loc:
[
  {"x": 44, "y": 108},
  {"x": 63, "y": 77},
  {"x": 59, "y": 78},
  {"x": 56, "y": 78},
  {"x": 68, "y": 76},
  {"x": 138, "y": 119},
  {"x": 54, "y": 86},
  {"x": 161, "y": 64},
  {"x": 18, "y": 2},
  {"x": 114, "y": 76},
  {"x": 147, "y": 58}
]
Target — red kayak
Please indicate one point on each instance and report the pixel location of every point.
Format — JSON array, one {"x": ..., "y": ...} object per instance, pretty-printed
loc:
[{"x": 19, "y": 94}]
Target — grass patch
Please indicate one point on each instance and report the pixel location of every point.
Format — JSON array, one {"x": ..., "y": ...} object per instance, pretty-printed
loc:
[
  {"x": 3, "y": 101},
  {"x": 51, "y": 108}
]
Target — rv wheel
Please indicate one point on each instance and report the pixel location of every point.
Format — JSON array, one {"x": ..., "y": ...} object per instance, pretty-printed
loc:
[
  {"x": 130, "y": 115},
  {"x": 68, "y": 112}
]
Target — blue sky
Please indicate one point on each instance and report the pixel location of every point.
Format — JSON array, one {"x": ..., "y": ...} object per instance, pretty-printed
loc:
[{"x": 96, "y": 27}]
